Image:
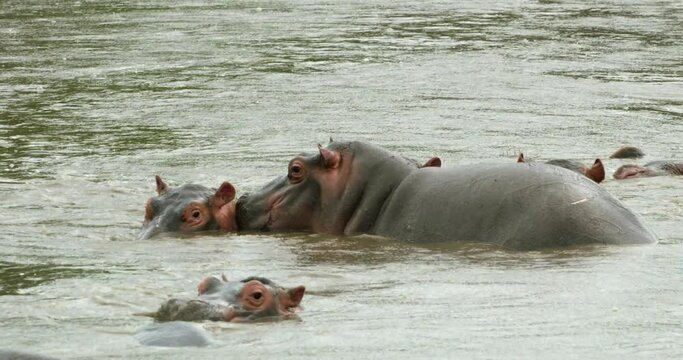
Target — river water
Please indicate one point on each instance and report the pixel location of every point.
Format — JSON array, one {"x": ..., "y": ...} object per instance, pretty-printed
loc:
[{"x": 98, "y": 97}]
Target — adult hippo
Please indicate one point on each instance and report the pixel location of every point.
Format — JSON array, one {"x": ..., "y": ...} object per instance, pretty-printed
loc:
[
  {"x": 189, "y": 208},
  {"x": 247, "y": 300},
  {"x": 596, "y": 172},
  {"x": 353, "y": 187},
  {"x": 654, "y": 168}
]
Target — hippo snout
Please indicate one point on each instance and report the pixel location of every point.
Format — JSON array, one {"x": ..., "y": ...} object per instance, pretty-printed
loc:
[
  {"x": 241, "y": 210},
  {"x": 241, "y": 206}
]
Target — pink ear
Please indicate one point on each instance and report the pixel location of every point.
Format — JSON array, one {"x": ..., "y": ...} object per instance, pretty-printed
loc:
[
  {"x": 224, "y": 194},
  {"x": 520, "y": 158},
  {"x": 296, "y": 294},
  {"x": 207, "y": 284},
  {"x": 331, "y": 158},
  {"x": 433, "y": 162},
  {"x": 161, "y": 185},
  {"x": 596, "y": 172}
]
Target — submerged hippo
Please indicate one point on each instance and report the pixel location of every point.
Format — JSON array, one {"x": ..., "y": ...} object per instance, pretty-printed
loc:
[
  {"x": 654, "y": 168},
  {"x": 353, "y": 187},
  {"x": 627, "y": 152},
  {"x": 251, "y": 299},
  {"x": 189, "y": 208},
  {"x": 595, "y": 172}
]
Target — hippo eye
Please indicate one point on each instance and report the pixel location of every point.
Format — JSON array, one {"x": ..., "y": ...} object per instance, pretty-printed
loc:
[
  {"x": 296, "y": 172},
  {"x": 257, "y": 295},
  {"x": 196, "y": 213}
]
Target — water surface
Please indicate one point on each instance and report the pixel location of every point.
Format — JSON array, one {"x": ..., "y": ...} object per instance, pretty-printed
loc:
[{"x": 98, "y": 97}]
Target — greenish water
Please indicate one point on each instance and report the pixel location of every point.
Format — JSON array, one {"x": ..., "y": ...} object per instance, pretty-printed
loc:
[{"x": 98, "y": 97}]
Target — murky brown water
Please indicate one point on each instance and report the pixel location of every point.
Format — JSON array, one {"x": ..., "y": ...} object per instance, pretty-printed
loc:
[{"x": 97, "y": 98}]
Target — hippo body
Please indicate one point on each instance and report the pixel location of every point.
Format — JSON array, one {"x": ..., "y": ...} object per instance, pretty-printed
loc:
[
  {"x": 668, "y": 167},
  {"x": 174, "y": 334},
  {"x": 518, "y": 207},
  {"x": 354, "y": 188}
]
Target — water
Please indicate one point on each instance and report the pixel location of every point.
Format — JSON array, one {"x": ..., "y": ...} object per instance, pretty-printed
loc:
[{"x": 98, "y": 97}]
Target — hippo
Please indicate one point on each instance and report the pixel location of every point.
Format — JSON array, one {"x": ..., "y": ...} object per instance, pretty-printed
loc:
[
  {"x": 595, "y": 172},
  {"x": 189, "y": 208},
  {"x": 349, "y": 188},
  {"x": 653, "y": 168},
  {"x": 251, "y": 299},
  {"x": 627, "y": 152}
]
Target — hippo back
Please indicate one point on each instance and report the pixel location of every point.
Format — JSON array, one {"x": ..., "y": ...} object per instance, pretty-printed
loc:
[
  {"x": 518, "y": 206},
  {"x": 174, "y": 334}
]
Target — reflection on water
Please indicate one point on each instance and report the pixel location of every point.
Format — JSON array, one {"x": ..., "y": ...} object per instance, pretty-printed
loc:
[
  {"x": 98, "y": 97},
  {"x": 16, "y": 277}
]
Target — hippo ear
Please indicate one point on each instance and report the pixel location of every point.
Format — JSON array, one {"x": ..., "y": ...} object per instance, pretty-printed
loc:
[
  {"x": 331, "y": 159},
  {"x": 207, "y": 284},
  {"x": 161, "y": 185},
  {"x": 520, "y": 158},
  {"x": 295, "y": 295},
  {"x": 433, "y": 162},
  {"x": 596, "y": 172},
  {"x": 224, "y": 194}
]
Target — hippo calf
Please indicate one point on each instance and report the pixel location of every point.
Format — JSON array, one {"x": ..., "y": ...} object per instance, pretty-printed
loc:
[
  {"x": 654, "y": 168},
  {"x": 353, "y": 188},
  {"x": 596, "y": 172},
  {"x": 189, "y": 208},
  {"x": 247, "y": 300},
  {"x": 253, "y": 298}
]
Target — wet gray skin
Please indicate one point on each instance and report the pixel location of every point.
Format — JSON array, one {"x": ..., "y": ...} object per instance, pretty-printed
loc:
[
  {"x": 189, "y": 208},
  {"x": 353, "y": 188},
  {"x": 251, "y": 299},
  {"x": 653, "y": 168},
  {"x": 174, "y": 334},
  {"x": 627, "y": 152},
  {"x": 596, "y": 172}
]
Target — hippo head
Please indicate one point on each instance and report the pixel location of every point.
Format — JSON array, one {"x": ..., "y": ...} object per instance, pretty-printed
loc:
[
  {"x": 627, "y": 152},
  {"x": 339, "y": 188},
  {"x": 189, "y": 208},
  {"x": 253, "y": 298},
  {"x": 631, "y": 171}
]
